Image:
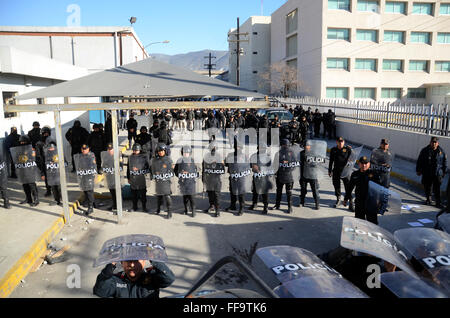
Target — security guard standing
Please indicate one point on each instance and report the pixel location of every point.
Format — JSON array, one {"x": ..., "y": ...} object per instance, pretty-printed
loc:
[
  {"x": 432, "y": 166},
  {"x": 338, "y": 159},
  {"x": 35, "y": 134},
  {"x": 381, "y": 162},
  {"x": 138, "y": 167},
  {"x": 186, "y": 171},
  {"x": 304, "y": 181},
  {"x": 131, "y": 128},
  {"x": 359, "y": 181},
  {"x": 4, "y": 178}
]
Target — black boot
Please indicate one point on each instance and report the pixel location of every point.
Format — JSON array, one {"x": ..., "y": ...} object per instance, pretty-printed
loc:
[
  {"x": 7, "y": 204},
  {"x": 252, "y": 207},
  {"x": 265, "y": 210},
  {"x": 90, "y": 209},
  {"x": 169, "y": 214},
  {"x": 276, "y": 206},
  {"x": 350, "y": 206},
  {"x": 193, "y": 210},
  {"x": 231, "y": 208},
  {"x": 217, "y": 212},
  {"x": 302, "y": 202},
  {"x": 48, "y": 193},
  {"x": 317, "y": 205}
]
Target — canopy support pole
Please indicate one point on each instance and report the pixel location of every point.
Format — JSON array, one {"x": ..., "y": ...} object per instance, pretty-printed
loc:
[
  {"x": 117, "y": 172},
  {"x": 62, "y": 166}
]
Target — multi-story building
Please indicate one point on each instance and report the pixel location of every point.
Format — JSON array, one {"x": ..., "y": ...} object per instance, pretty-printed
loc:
[
  {"x": 254, "y": 54},
  {"x": 383, "y": 50}
]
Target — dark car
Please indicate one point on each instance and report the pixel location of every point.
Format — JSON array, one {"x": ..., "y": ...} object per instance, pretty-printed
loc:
[{"x": 284, "y": 116}]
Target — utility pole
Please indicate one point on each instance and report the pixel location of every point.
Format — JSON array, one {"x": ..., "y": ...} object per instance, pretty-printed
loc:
[
  {"x": 238, "y": 50},
  {"x": 210, "y": 66}
]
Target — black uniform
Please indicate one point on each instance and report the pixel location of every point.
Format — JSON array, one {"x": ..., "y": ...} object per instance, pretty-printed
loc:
[
  {"x": 4, "y": 180},
  {"x": 132, "y": 129},
  {"x": 35, "y": 136},
  {"x": 329, "y": 120},
  {"x": 262, "y": 178},
  {"x": 97, "y": 144},
  {"x": 76, "y": 136},
  {"x": 118, "y": 285},
  {"x": 10, "y": 142},
  {"x": 314, "y": 183},
  {"x": 238, "y": 165},
  {"x": 432, "y": 165},
  {"x": 317, "y": 121},
  {"x": 186, "y": 171},
  {"x": 212, "y": 169},
  {"x": 288, "y": 161},
  {"x": 360, "y": 182},
  {"x": 162, "y": 171},
  {"x": 138, "y": 167},
  {"x": 338, "y": 161},
  {"x": 303, "y": 129}
]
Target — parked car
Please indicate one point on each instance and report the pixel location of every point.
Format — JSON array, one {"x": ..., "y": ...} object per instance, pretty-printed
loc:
[{"x": 284, "y": 116}]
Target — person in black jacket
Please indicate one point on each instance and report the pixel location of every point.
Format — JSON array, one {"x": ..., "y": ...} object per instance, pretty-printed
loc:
[
  {"x": 76, "y": 136},
  {"x": 35, "y": 134},
  {"x": 131, "y": 127},
  {"x": 10, "y": 142},
  {"x": 338, "y": 160},
  {"x": 359, "y": 181},
  {"x": 144, "y": 137},
  {"x": 135, "y": 281},
  {"x": 432, "y": 166},
  {"x": 317, "y": 121},
  {"x": 46, "y": 132},
  {"x": 97, "y": 144}
]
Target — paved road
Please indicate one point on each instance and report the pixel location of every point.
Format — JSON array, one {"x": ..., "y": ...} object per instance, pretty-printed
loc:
[{"x": 194, "y": 244}]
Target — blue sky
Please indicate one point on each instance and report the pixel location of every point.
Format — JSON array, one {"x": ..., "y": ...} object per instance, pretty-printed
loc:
[{"x": 189, "y": 25}]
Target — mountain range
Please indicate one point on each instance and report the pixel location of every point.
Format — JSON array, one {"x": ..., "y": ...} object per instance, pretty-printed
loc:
[{"x": 195, "y": 61}]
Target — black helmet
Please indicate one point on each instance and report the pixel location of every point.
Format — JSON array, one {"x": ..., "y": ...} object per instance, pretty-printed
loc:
[
  {"x": 36, "y": 123},
  {"x": 137, "y": 147},
  {"x": 186, "y": 149},
  {"x": 143, "y": 128},
  {"x": 46, "y": 130},
  {"x": 51, "y": 144},
  {"x": 161, "y": 147},
  {"x": 285, "y": 142},
  {"x": 24, "y": 139}
]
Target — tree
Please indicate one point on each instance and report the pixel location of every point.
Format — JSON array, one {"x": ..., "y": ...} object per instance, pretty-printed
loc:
[{"x": 282, "y": 77}]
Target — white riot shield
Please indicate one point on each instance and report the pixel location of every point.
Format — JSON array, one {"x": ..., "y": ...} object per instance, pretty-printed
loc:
[
  {"x": 431, "y": 248},
  {"x": 86, "y": 171},
  {"x": 315, "y": 159},
  {"x": 348, "y": 169},
  {"x": 366, "y": 237},
  {"x": 52, "y": 166},
  {"x": 381, "y": 200},
  {"x": 24, "y": 159},
  {"x": 108, "y": 170},
  {"x": 403, "y": 285},
  {"x": 132, "y": 247},
  {"x": 304, "y": 275}
]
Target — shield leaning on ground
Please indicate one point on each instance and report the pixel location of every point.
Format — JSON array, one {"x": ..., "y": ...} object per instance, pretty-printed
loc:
[
  {"x": 24, "y": 158},
  {"x": 162, "y": 173},
  {"x": 303, "y": 275},
  {"x": 213, "y": 169},
  {"x": 132, "y": 247},
  {"x": 381, "y": 200},
  {"x": 138, "y": 167},
  {"x": 443, "y": 222},
  {"x": 52, "y": 166},
  {"x": 348, "y": 169},
  {"x": 365, "y": 237},
  {"x": 263, "y": 169},
  {"x": 188, "y": 183},
  {"x": 108, "y": 170},
  {"x": 86, "y": 171},
  {"x": 403, "y": 285},
  {"x": 315, "y": 159},
  {"x": 431, "y": 248},
  {"x": 240, "y": 173},
  {"x": 3, "y": 167}
]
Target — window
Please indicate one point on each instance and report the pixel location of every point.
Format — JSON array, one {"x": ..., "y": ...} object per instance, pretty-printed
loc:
[
  {"x": 366, "y": 64},
  {"x": 392, "y": 65},
  {"x": 291, "y": 45},
  {"x": 442, "y": 66},
  {"x": 365, "y": 93},
  {"x": 421, "y": 66},
  {"x": 365, "y": 5},
  {"x": 367, "y": 35},
  {"x": 291, "y": 22},
  {"x": 440, "y": 91},
  {"x": 337, "y": 92},
  {"x": 338, "y": 34},
  {"x": 394, "y": 36},
  {"x": 255, "y": 53},
  {"x": 395, "y": 7},
  {"x": 443, "y": 38},
  {"x": 422, "y": 8},
  {"x": 420, "y": 37},
  {"x": 417, "y": 92},
  {"x": 255, "y": 33},
  {"x": 8, "y": 99},
  {"x": 445, "y": 9},
  {"x": 339, "y": 4},
  {"x": 391, "y": 93},
  {"x": 337, "y": 63}
]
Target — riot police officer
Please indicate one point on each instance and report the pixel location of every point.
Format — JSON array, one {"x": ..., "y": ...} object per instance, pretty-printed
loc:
[
  {"x": 317, "y": 122},
  {"x": 212, "y": 126},
  {"x": 138, "y": 167},
  {"x": 4, "y": 178},
  {"x": 10, "y": 142},
  {"x": 52, "y": 166},
  {"x": 86, "y": 166},
  {"x": 161, "y": 169},
  {"x": 97, "y": 144},
  {"x": 287, "y": 172},
  {"x": 308, "y": 176},
  {"x": 186, "y": 171},
  {"x": 35, "y": 134},
  {"x": 46, "y": 133},
  {"x": 381, "y": 161},
  {"x": 339, "y": 156},
  {"x": 144, "y": 137},
  {"x": 108, "y": 170},
  {"x": 131, "y": 128},
  {"x": 76, "y": 136},
  {"x": 432, "y": 166},
  {"x": 303, "y": 129},
  {"x": 212, "y": 169}
]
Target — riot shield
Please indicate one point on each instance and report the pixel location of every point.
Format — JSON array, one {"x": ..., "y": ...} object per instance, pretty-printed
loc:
[
  {"x": 403, "y": 285},
  {"x": 354, "y": 156},
  {"x": 24, "y": 159},
  {"x": 240, "y": 173},
  {"x": 148, "y": 149},
  {"x": 381, "y": 200},
  {"x": 132, "y": 247},
  {"x": 315, "y": 155},
  {"x": 264, "y": 169},
  {"x": 363, "y": 236},
  {"x": 138, "y": 167},
  {"x": 3, "y": 167},
  {"x": 213, "y": 169},
  {"x": 304, "y": 275},
  {"x": 187, "y": 175},
  {"x": 108, "y": 170},
  {"x": 443, "y": 222},
  {"x": 381, "y": 163},
  {"x": 52, "y": 166},
  {"x": 162, "y": 173},
  {"x": 288, "y": 160},
  {"x": 86, "y": 171},
  {"x": 431, "y": 249}
]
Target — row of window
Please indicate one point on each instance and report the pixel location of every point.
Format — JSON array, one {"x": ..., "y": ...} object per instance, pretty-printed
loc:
[
  {"x": 370, "y": 92},
  {"x": 399, "y": 7},
  {"x": 388, "y": 65},
  {"x": 388, "y": 36}
]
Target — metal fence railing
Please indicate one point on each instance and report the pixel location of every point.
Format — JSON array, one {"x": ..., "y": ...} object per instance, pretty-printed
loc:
[{"x": 427, "y": 119}]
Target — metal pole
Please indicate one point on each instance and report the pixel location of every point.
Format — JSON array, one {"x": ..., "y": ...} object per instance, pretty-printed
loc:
[
  {"x": 115, "y": 136},
  {"x": 62, "y": 167},
  {"x": 237, "y": 54}
]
